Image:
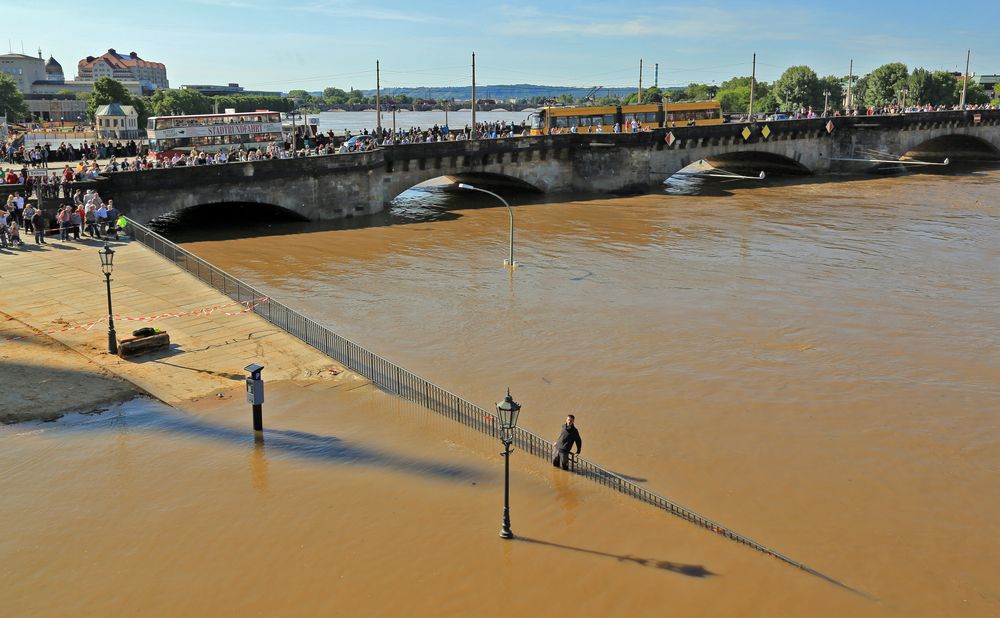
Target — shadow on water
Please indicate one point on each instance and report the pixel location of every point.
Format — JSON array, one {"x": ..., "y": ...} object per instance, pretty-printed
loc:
[
  {"x": 149, "y": 416},
  {"x": 689, "y": 570}
]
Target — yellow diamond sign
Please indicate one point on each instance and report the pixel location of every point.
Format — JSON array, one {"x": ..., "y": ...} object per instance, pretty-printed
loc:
[
  {"x": 766, "y": 131},
  {"x": 746, "y": 133}
]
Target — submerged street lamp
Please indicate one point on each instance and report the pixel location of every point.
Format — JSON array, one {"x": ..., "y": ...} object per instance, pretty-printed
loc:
[
  {"x": 509, "y": 262},
  {"x": 507, "y": 411},
  {"x": 107, "y": 265}
]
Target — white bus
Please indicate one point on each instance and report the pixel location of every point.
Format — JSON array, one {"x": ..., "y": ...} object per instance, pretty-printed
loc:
[{"x": 213, "y": 132}]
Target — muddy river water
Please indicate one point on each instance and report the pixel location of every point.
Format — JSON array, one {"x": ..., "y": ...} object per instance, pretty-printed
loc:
[{"x": 814, "y": 364}]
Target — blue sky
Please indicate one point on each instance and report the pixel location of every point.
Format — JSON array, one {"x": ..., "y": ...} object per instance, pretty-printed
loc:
[{"x": 311, "y": 44}]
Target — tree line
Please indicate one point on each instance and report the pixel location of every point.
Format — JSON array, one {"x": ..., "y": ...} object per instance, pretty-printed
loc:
[{"x": 798, "y": 87}]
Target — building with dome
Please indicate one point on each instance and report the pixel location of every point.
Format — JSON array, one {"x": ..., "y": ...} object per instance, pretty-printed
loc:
[{"x": 54, "y": 71}]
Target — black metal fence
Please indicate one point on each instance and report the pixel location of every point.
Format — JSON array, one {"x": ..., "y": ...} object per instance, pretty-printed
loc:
[{"x": 392, "y": 378}]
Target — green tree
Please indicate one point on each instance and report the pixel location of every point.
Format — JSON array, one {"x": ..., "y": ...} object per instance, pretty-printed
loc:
[
  {"x": 975, "y": 94},
  {"x": 176, "y": 102},
  {"x": 736, "y": 82},
  {"x": 934, "y": 87},
  {"x": 649, "y": 95},
  {"x": 107, "y": 91},
  {"x": 883, "y": 84},
  {"x": 11, "y": 100},
  {"x": 735, "y": 99},
  {"x": 334, "y": 96},
  {"x": 835, "y": 87},
  {"x": 247, "y": 103},
  {"x": 694, "y": 92},
  {"x": 799, "y": 87}
]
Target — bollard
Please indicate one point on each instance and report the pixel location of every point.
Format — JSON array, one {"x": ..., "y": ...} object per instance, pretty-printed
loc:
[{"x": 255, "y": 395}]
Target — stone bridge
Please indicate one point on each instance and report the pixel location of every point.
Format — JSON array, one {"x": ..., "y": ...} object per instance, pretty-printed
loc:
[{"x": 337, "y": 186}]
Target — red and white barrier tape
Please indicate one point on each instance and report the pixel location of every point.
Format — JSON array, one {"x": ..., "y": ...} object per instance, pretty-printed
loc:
[{"x": 248, "y": 306}]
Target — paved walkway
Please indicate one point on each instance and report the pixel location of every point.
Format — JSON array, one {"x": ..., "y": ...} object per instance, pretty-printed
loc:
[{"x": 60, "y": 286}]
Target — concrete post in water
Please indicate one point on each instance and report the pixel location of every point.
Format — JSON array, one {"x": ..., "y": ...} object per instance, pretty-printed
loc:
[{"x": 255, "y": 397}]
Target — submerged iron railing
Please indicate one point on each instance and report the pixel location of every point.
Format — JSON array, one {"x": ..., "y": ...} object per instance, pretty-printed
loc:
[{"x": 392, "y": 378}]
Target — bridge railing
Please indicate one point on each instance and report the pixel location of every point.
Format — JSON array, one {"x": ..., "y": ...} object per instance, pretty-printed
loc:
[{"x": 392, "y": 378}]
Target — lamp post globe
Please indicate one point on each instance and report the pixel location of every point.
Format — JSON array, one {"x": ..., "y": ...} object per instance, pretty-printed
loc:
[
  {"x": 507, "y": 413},
  {"x": 107, "y": 267}
]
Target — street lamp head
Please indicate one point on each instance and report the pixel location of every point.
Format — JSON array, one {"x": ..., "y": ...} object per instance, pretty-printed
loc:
[
  {"x": 463, "y": 185},
  {"x": 107, "y": 259},
  {"x": 508, "y": 410}
]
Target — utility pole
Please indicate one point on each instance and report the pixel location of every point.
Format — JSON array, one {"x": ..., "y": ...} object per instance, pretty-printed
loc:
[
  {"x": 656, "y": 75},
  {"x": 965, "y": 82},
  {"x": 753, "y": 83},
  {"x": 378, "y": 100},
  {"x": 639, "y": 93},
  {"x": 475, "y": 133},
  {"x": 850, "y": 84}
]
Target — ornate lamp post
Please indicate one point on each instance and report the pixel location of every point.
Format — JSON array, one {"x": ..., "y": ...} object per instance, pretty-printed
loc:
[
  {"x": 507, "y": 411},
  {"x": 509, "y": 262},
  {"x": 826, "y": 102},
  {"x": 107, "y": 265},
  {"x": 902, "y": 96}
]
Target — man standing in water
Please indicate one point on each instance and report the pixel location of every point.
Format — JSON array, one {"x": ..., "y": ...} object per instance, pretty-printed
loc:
[{"x": 567, "y": 438}]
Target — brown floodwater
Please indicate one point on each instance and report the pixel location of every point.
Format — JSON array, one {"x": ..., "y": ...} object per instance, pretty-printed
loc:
[{"x": 814, "y": 364}]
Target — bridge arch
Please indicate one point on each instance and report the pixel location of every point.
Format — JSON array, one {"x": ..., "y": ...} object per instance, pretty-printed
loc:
[
  {"x": 954, "y": 146},
  {"x": 489, "y": 180},
  {"x": 752, "y": 162}
]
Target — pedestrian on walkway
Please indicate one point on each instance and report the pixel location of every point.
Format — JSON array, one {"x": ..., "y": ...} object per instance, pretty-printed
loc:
[
  {"x": 38, "y": 224},
  {"x": 569, "y": 436}
]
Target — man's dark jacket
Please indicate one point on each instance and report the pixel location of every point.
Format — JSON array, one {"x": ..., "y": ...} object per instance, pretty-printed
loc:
[{"x": 567, "y": 437}]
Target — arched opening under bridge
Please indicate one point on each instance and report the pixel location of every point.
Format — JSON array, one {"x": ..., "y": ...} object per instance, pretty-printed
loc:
[
  {"x": 437, "y": 198},
  {"x": 230, "y": 219},
  {"x": 966, "y": 148}
]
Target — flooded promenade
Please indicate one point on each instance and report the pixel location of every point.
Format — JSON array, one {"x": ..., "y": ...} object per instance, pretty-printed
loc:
[{"x": 814, "y": 365}]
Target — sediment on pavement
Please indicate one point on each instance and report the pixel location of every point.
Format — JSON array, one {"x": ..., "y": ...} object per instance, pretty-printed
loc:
[{"x": 44, "y": 379}]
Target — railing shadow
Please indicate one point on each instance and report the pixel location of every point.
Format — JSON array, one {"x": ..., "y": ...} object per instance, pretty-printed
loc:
[
  {"x": 688, "y": 570},
  {"x": 279, "y": 442}
]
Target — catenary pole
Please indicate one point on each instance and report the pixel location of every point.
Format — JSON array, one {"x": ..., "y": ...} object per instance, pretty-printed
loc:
[
  {"x": 753, "y": 83},
  {"x": 475, "y": 133},
  {"x": 639, "y": 92},
  {"x": 965, "y": 82}
]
